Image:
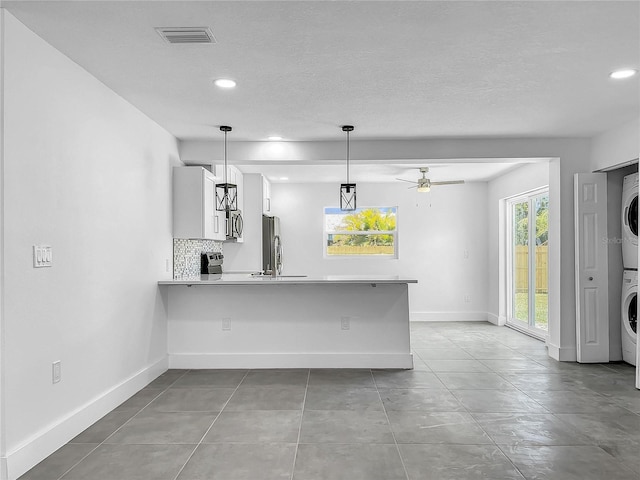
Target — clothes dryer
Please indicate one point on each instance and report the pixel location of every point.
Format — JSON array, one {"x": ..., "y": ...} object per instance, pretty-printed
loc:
[
  {"x": 629, "y": 316},
  {"x": 630, "y": 221}
]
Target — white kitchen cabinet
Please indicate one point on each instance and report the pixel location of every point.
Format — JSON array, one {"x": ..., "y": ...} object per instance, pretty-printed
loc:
[
  {"x": 266, "y": 196},
  {"x": 194, "y": 210}
]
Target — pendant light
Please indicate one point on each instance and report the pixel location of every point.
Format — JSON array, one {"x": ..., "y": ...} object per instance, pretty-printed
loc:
[
  {"x": 347, "y": 190},
  {"x": 226, "y": 193}
]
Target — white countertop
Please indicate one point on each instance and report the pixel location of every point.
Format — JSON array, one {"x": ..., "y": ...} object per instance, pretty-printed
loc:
[{"x": 247, "y": 279}]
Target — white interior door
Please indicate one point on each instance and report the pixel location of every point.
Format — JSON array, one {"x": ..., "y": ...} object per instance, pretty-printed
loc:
[{"x": 591, "y": 267}]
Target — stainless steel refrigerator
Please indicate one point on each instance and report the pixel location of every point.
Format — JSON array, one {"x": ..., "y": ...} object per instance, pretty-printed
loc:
[{"x": 271, "y": 244}]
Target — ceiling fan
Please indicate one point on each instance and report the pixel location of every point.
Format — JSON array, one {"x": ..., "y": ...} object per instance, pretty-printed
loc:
[{"x": 424, "y": 184}]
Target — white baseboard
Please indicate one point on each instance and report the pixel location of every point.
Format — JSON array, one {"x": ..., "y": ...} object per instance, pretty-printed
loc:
[
  {"x": 291, "y": 360},
  {"x": 448, "y": 316},
  {"x": 499, "y": 320},
  {"x": 562, "y": 354},
  {"x": 59, "y": 432}
]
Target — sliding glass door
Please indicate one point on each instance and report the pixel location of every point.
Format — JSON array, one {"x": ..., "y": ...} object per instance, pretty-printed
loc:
[{"x": 528, "y": 272}]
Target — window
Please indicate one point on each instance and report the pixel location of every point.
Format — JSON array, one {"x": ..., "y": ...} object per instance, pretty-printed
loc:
[{"x": 369, "y": 231}]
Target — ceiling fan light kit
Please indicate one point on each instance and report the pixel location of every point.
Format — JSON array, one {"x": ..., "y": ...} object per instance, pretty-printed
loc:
[
  {"x": 347, "y": 190},
  {"x": 423, "y": 185}
]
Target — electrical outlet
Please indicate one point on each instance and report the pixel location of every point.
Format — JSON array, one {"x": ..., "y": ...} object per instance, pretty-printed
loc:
[
  {"x": 467, "y": 298},
  {"x": 226, "y": 323},
  {"x": 345, "y": 323},
  {"x": 466, "y": 254},
  {"x": 56, "y": 371},
  {"x": 167, "y": 265}
]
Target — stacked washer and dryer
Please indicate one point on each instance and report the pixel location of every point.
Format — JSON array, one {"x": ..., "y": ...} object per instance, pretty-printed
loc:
[{"x": 630, "y": 264}]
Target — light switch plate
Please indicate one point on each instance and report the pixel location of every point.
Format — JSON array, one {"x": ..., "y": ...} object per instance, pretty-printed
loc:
[{"x": 42, "y": 256}]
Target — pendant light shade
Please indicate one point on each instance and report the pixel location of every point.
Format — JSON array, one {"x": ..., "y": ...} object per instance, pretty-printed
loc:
[
  {"x": 347, "y": 190},
  {"x": 226, "y": 193}
]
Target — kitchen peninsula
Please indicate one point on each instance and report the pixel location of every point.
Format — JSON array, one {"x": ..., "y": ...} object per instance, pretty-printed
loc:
[{"x": 245, "y": 321}]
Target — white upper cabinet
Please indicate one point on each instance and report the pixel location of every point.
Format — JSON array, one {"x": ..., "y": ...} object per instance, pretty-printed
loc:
[
  {"x": 194, "y": 211},
  {"x": 266, "y": 196}
]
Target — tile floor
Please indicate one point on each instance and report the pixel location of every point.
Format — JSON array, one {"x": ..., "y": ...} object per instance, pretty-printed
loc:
[{"x": 482, "y": 402}]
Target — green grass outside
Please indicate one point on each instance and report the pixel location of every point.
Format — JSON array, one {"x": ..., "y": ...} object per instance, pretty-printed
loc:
[{"x": 542, "y": 309}]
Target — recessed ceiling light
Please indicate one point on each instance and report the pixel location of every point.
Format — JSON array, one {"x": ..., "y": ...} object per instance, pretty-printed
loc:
[
  {"x": 284, "y": 178},
  {"x": 224, "y": 83},
  {"x": 625, "y": 73},
  {"x": 274, "y": 138}
]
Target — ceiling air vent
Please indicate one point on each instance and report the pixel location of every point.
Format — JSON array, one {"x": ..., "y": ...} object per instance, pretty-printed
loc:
[{"x": 186, "y": 34}]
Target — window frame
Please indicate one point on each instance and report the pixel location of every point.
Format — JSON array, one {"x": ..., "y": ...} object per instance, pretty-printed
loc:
[{"x": 394, "y": 233}]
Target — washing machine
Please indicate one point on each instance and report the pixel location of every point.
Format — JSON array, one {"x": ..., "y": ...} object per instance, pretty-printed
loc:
[
  {"x": 630, "y": 221},
  {"x": 629, "y": 315}
]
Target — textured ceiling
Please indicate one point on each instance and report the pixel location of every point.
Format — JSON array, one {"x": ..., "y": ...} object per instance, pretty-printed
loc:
[{"x": 393, "y": 69}]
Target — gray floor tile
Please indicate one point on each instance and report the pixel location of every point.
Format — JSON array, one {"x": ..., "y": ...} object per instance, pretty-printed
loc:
[
  {"x": 456, "y": 366},
  {"x": 419, "y": 365},
  {"x": 436, "y": 427},
  {"x": 460, "y": 367},
  {"x": 348, "y": 462},
  {"x": 439, "y": 353},
  {"x": 495, "y": 352},
  {"x": 609, "y": 383},
  {"x": 620, "y": 427},
  {"x": 526, "y": 429},
  {"x": 537, "y": 382},
  {"x": 406, "y": 379},
  {"x": 211, "y": 378},
  {"x": 240, "y": 462},
  {"x": 628, "y": 400},
  {"x": 56, "y": 464},
  {"x": 342, "y": 398},
  {"x": 167, "y": 378},
  {"x": 326, "y": 426},
  {"x": 266, "y": 398},
  {"x": 256, "y": 426},
  {"x": 627, "y": 453},
  {"x": 161, "y": 428},
  {"x": 515, "y": 365},
  {"x": 574, "y": 401},
  {"x": 620, "y": 367},
  {"x": 351, "y": 377},
  {"x": 141, "y": 399},
  {"x": 457, "y": 462},
  {"x": 184, "y": 399},
  {"x": 132, "y": 462},
  {"x": 104, "y": 427},
  {"x": 420, "y": 400},
  {"x": 567, "y": 463},
  {"x": 474, "y": 381},
  {"x": 498, "y": 401},
  {"x": 276, "y": 378}
]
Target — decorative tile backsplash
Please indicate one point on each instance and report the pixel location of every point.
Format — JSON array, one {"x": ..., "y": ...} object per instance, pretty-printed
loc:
[{"x": 187, "y": 255}]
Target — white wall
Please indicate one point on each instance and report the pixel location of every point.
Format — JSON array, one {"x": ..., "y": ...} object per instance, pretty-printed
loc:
[
  {"x": 434, "y": 230},
  {"x": 88, "y": 174},
  {"x": 525, "y": 178},
  {"x": 616, "y": 147}
]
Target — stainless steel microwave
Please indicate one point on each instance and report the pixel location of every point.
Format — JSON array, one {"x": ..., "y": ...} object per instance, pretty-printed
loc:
[{"x": 234, "y": 225}]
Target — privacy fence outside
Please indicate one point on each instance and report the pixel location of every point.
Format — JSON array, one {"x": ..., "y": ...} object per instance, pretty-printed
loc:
[{"x": 522, "y": 268}]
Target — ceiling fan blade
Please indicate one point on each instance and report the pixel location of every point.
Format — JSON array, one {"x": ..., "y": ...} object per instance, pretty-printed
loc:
[
  {"x": 415, "y": 186},
  {"x": 453, "y": 182},
  {"x": 403, "y": 180}
]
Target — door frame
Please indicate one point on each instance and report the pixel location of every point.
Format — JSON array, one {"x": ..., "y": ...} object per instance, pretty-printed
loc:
[{"x": 528, "y": 328}]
